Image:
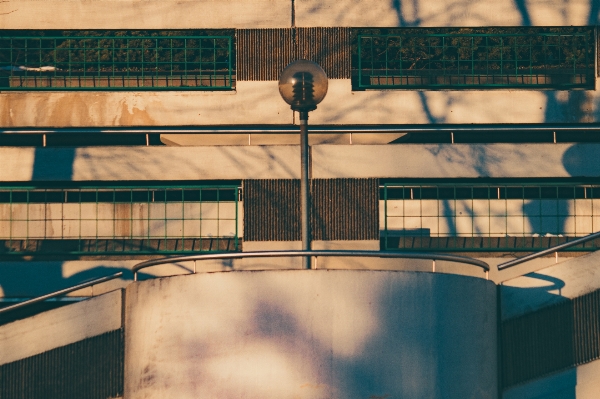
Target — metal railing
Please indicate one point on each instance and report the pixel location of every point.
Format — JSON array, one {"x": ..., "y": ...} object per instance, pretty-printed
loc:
[
  {"x": 315, "y": 254},
  {"x": 557, "y": 58},
  {"x": 61, "y": 292},
  {"x": 122, "y": 61},
  {"x": 552, "y": 250},
  {"x": 486, "y": 216},
  {"x": 120, "y": 220}
]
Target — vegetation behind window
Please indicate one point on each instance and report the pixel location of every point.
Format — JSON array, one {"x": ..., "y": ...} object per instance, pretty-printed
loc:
[
  {"x": 464, "y": 58},
  {"x": 117, "y": 60}
]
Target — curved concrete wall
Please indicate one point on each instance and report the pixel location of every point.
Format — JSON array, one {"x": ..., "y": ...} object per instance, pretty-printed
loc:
[{"x": 311, "y": 334}]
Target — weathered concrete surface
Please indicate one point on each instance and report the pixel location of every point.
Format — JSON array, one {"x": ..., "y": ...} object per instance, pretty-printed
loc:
[
  {"x": 260, "y": 103},
  {"x": 566, "y": 280},
  {"x": 145, "y": 14},
  {"x": 189, "y": 14},
  {"x": 343, "y": 106},
  {"x": 282, "y": 162},
  {"x": 445, "y": 13},
  {"x": 579, "y": 382},
  {"x": 456, "y": 160},
  {"x": 149, "y": 163},
  {"x": 311, "y": 334},
  {"x": 60, "y": 327},
  {"x": 250, "y": 103}
]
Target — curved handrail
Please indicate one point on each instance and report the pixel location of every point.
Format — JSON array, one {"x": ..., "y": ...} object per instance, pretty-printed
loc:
[
  {"x": 273, "y": 254},
  {"x": 61, "y": 292},
  {"x": 547, "y": 251}
]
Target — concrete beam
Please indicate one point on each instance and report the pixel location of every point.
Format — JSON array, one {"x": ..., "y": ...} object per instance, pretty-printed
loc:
[
  {"x": 282, "y": 162},
  {"x": 427, "y": 13},
  {"x": 146, "y": 14},
  {"x": 569, "y": 279},
  {"x": 259, "y": 102}
]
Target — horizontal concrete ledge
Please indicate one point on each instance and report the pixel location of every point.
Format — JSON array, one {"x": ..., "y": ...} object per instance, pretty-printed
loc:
[
  {"x": 283, "y": 162},
  {"x": 60, "y": 327}
]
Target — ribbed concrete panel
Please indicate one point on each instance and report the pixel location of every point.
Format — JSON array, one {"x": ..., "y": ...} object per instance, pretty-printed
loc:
[
  {"x": 91, "y": 369},
  {"x": 345, "y": 209},
  {"x": 551, "y": 339},
  {"x": 328, "y": 47},
  {"x": 263, "y": 53},
  {"x": 342, "y": 209},
  {"x": 271, "y": 210}
]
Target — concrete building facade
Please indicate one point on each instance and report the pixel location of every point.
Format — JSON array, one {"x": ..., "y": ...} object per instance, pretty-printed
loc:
[{"x": 132, "y": 130}]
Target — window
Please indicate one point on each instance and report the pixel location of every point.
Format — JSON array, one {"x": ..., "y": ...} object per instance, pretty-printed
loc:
[
  {"x": 468, "y": 58},
  {"x": 119, "y": 220},
  {"x": 488, "y": 217},
  {"x": 116, "y": 60}
]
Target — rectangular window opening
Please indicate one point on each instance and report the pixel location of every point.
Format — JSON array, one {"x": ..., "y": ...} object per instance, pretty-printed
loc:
[
  {"x": 469, "y": 58},
  {"x": 112, "y": 60}
]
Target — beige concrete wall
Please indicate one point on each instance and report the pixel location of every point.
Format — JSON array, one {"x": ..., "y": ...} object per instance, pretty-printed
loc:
[
  {"x": 444, "y": 13},
  {"x": 144, "y": 14},
  {"x": 251, "y": 103},
  {"x": 60, "y": 327},
  {"x": 343, "y": 106},
  {"x": 311, "y": 334},
  {"x": 283, "y": 162},
  {"x": 456, "y": 160},
  {"x": 260, "y": 103},
  {"x": 184, "y": 14}
]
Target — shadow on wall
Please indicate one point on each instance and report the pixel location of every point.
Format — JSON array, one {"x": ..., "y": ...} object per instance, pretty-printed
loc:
[
  {"x": 35, "y": 278},
  {"x": 318, "y": 335},
  {"x": 561, "y": 106}
]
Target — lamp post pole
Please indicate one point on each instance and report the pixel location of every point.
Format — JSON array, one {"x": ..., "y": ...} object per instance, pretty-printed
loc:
[
  {"x": 303, "y": 84},
  {"x": 304, "y": 189}
]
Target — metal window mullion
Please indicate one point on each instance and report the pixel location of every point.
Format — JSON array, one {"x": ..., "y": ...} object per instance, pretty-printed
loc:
[
  {"x": 473, "y": 60},
  {"x": 128, "y": 52},
  {"x": 182, "y": 219},
  {"x": 200, "y": 218},
  {"x": 385, "y": 215},
  {"x": 143, "y": 83},
  {"x": 229, "y": 68},
  {"x": 185, "y": 62},
  {"x": 165, "y": 230},
  {"x": 214, "y": 63},
  {"x": 237, "y": 216}
]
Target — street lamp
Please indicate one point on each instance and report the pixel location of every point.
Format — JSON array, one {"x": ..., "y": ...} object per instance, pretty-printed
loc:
[{"x": 303, "y": 85}]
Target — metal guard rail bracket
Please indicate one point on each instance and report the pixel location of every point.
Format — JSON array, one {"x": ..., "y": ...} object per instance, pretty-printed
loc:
[
  {"x": 61, "y": 292},
  {"x": 274, "y": 254},
  {"x": 550, "y": 250}
]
